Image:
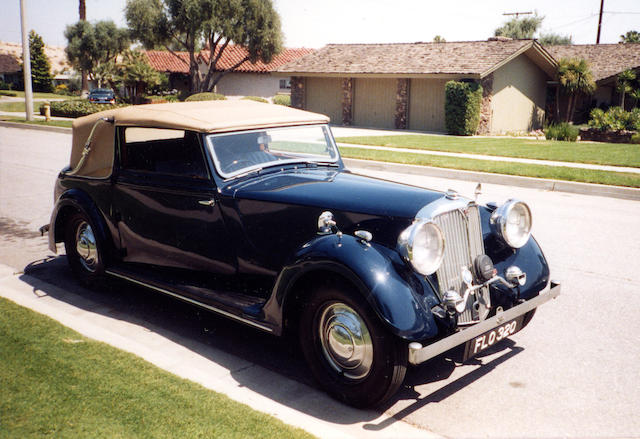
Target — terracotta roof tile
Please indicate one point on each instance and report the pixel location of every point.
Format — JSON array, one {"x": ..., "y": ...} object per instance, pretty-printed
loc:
[
  {"x": 165, "y": 61},
  {"x": 466, "y": 57},
  {"x": 234, "y": 54},
  {"x": 605, "y": 60}
]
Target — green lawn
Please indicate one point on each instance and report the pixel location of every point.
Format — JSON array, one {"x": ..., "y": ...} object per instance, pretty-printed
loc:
[
  {"x": 56, "y": 383},
  {"x": 39, "y": 95},
  {"x": 53, "y": 122},
  {"x": 596, "y": 153},
  {"x": 539, "y": 171},
  {"x": 18, "y": 107}
]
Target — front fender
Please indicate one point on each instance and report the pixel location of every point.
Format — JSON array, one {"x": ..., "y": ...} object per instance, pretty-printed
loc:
[
  {"x": 76, "y": 200},
  {"x": 400, "y": 299}
]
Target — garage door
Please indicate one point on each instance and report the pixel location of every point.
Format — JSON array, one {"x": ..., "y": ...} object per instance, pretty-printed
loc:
[
  {"x": 426, "y": 104},
  {"x": 324, "y": 95},
  {"x": 374, "y": 103}
]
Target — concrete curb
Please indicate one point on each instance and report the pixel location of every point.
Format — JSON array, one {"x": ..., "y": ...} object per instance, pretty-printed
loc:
[
  {"x": 290, "y": 401},
  {"x": 28, "y": 126},
  {"x": 509, "y": 180}
]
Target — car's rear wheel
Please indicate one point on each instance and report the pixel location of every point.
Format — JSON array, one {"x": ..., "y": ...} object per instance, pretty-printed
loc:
[
  {"x": 348, "y": 350},
  {"x": 83, "y": 249}
]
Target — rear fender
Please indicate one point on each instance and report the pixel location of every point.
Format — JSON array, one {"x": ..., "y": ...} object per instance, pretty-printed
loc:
[
  {"x": 395, "y": 294},
  {"x": 71, "y": 201}
]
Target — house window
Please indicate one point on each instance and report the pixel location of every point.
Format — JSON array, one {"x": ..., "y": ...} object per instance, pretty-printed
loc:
[{"x": 285, "y": 84}]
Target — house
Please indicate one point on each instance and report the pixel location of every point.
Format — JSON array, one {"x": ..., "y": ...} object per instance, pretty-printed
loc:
[
  {"x": 11, "y": 63},
  {"x": 402, "y": 85},
  {"x": 605, "y": 62},
  {"x": 244, "y": 79}
]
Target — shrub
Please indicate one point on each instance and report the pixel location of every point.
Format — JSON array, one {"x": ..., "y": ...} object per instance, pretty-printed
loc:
[
  {"x": 282, "y": 100},
  {"x": 462, "y": 107},
  {"x": 77, "y": 108},
  {"x": 615, "y": 119},
  {"x": 635, "y": 138},
  {"x": 205, "y": 97},
  {"x": 562, "y": 131},
  {"x": 5, "y": 85},
  {"x": 62, "y": 89},
  {"x": 256, "y": 98}
]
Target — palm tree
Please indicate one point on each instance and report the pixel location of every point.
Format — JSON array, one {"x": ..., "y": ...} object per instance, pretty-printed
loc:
[
  {"x": 575, "y": 78},
  {"x": 635, "y": 94},
  {"x": 623, "y": 86}
]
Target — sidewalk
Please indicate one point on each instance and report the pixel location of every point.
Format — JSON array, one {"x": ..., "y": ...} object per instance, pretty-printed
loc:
[{"x": 290, "y": 401}]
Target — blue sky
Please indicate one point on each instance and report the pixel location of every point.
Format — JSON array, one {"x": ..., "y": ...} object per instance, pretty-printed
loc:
[{"x": 315, "y": 23}]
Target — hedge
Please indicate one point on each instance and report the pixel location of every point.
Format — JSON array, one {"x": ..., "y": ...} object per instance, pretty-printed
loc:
[
  {"x": 206, "y": 97},
  {"x": 255, "y": 98},
  {"x": 282, "y": 100},
  {"x": 77, "y": 108},
  {"x": 462, "y": 107}
]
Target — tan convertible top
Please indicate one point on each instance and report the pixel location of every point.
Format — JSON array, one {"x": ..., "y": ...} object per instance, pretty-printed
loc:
[{"x": 205, "y": 117}]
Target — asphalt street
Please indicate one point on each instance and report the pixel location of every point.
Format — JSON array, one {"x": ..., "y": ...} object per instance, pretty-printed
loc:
[{"x": 573, "y": 372}]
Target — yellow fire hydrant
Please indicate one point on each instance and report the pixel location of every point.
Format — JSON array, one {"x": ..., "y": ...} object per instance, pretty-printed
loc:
[{"x": 47, "y": 111}]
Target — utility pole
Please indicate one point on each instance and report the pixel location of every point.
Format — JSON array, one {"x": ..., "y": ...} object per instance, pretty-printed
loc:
[
  {"x": 518, "y": 13},
  {"x": 600, "y": 22},
  {"x": 26, "y": 62}
]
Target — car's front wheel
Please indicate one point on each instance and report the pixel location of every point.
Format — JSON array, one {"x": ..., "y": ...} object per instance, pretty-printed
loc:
[
  {"x": 83, "y": 251},
  {"x": 348, "y": 350}
]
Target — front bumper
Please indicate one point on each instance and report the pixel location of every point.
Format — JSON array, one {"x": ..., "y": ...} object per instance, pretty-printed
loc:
[{"x": 419, "y": 354}]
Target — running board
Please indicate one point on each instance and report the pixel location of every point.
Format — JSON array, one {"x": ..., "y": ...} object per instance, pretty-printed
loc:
[{"x": 216, "y": 310}]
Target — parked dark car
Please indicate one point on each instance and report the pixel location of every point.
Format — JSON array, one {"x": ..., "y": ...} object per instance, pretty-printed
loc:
[
  {"x": 247, "y": 210},
  {"x": 102, "y": 96}
]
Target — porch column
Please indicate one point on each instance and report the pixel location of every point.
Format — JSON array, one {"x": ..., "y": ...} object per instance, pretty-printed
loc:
[{"x": 297, "y": 92}]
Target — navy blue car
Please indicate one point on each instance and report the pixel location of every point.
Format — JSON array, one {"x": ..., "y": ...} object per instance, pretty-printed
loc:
[
  {"x": 247, "y": 210},
  {"x": 102, "y": 96}
]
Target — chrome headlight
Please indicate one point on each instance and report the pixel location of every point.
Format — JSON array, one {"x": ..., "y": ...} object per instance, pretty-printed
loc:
[
  {"x": 512, "y": 221},
  {"x": 422, "y": 244}
]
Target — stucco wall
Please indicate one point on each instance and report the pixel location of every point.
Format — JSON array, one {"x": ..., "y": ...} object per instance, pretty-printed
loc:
[
  {"x": 250, "y": 84},
  {"x": 519, "y": 94}
]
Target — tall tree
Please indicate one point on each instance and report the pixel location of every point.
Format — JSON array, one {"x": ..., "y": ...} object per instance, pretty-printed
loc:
[
  {"x": 575, "y": 79},
  {"x": 41, "y": 77},
  {"x": 624, "y": 82},
  {"x": 520, "y": 28},
  {"x": 91, "y": 45},
  {"x": 632, "y": 36},
  {"x": 439, "y": 39},
  {"x": 251, "y": 24},
  {"x": 555, "y": 40}
]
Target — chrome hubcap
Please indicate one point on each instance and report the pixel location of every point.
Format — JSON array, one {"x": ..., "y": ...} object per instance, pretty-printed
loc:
[
  {"x": 86, "y": 246},
  {"x": 346, "y": 342}
]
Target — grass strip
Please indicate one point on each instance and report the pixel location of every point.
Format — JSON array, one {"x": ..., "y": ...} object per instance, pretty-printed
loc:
[
  {"x": 56, "y": 383},
  {"x": 521, "y": 169},
  {"x": 613, "y": 154},
  {"x": 19, "y": 107},
  {"x": 42, "y": 95},
  {"x": 52, "y": 122}
]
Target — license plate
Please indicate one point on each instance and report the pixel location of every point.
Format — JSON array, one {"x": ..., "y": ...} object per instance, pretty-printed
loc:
[{"x": 490, "y": 338}]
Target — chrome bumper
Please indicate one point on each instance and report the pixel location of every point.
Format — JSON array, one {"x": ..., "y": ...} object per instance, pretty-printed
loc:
[{"x": 419, "y": 354}]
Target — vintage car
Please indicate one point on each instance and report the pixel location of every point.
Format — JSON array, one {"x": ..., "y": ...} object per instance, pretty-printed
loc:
[{"x": 246, "y": 209}]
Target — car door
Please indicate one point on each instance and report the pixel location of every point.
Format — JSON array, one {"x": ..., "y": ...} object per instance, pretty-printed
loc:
[{"x": 165, "y": 203}]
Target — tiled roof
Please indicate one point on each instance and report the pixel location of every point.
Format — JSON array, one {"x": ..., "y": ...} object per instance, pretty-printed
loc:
[
  {"x": 56, "y": 55},
  {"x": 9, "y": 63},
  {"x": 234, "y": 54},
  {"x": 467, "y": 57},
  {"x": 164, "y": 61},
  {"x": 605, "y": 60}
]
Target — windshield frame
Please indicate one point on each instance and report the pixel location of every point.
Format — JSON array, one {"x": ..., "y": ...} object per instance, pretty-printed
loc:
[{"x": 333, "y": 161}]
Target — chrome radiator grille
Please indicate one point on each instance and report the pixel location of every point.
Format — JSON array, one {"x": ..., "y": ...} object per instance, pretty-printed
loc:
[{"x": 463, "y": 243}]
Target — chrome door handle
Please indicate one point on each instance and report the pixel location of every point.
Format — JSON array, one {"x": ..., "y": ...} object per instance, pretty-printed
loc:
[{"x": 209, "y": 203}]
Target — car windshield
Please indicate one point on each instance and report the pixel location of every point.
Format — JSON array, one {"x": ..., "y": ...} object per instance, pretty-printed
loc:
[{"x": 241, "y": 152}]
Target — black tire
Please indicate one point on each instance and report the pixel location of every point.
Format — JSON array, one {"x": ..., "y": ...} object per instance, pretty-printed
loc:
[
  {"x": 365, "y": 378},
  {"x": 84, "y": 253}
]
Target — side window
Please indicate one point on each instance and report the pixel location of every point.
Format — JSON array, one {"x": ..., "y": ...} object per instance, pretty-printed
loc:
[{"x": 172, "y": 152}]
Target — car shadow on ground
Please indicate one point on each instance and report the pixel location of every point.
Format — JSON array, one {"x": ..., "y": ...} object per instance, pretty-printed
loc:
[{"x": 205, "y": 333}]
